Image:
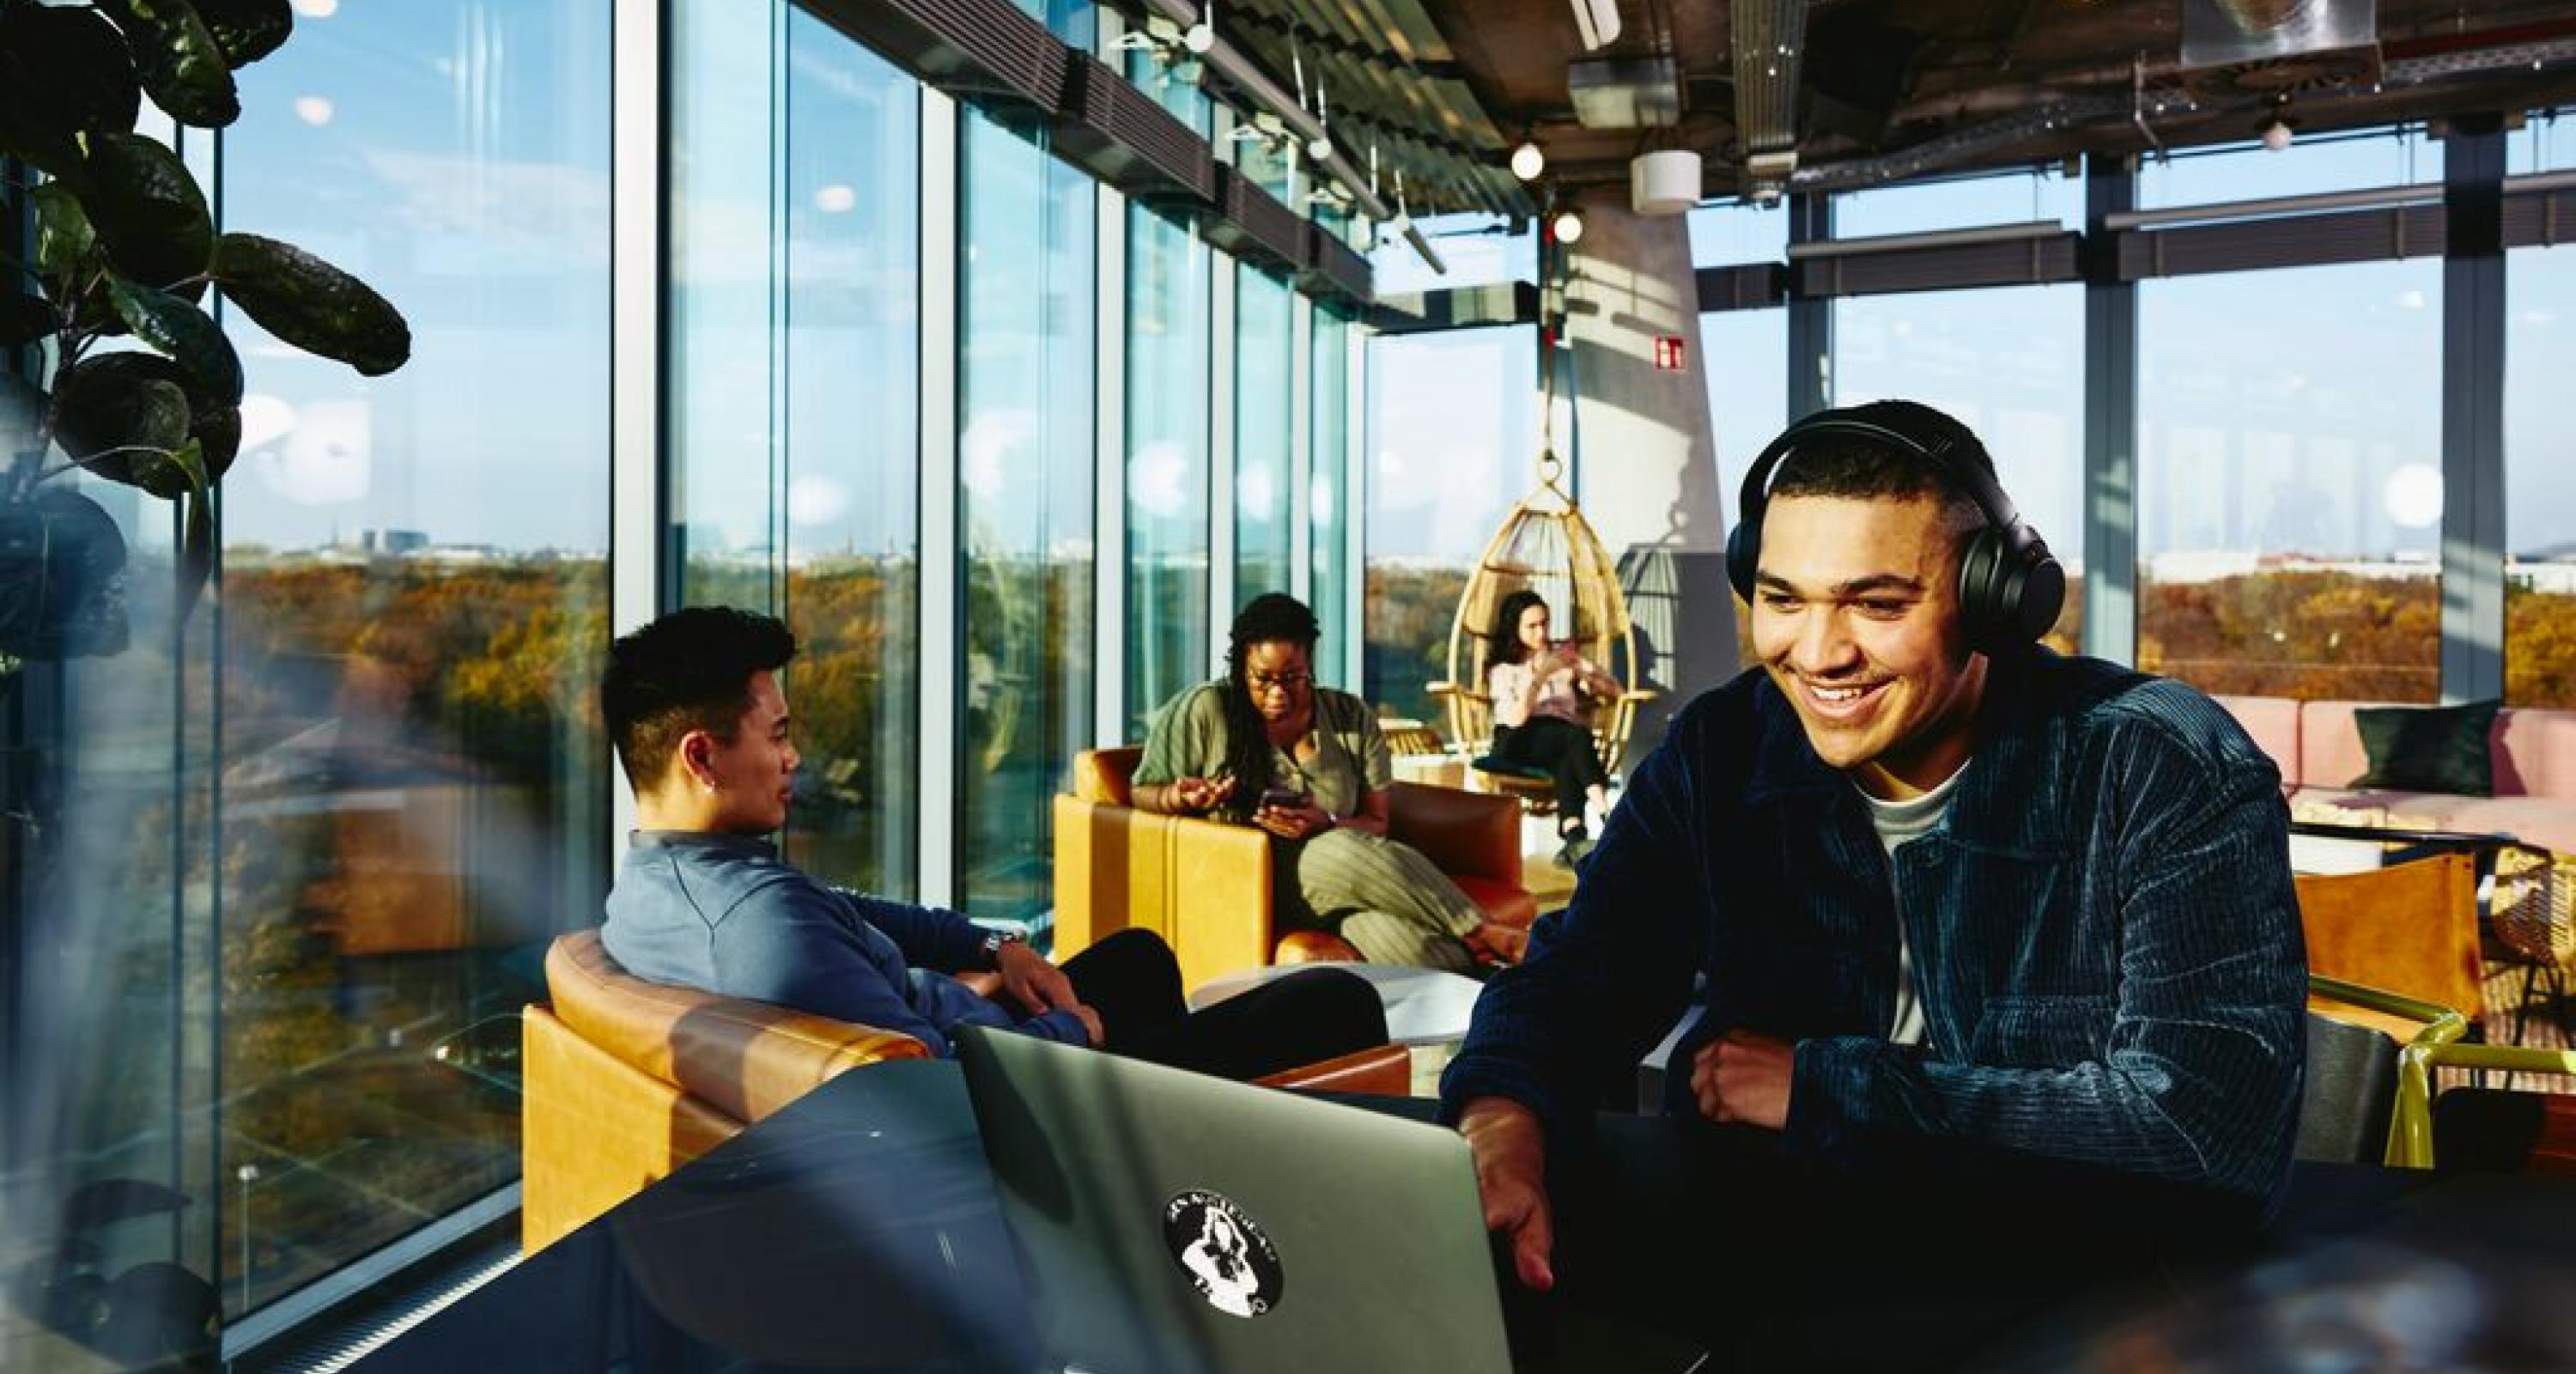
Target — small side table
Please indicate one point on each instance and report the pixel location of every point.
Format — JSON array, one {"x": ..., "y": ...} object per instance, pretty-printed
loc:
[{"x": 1427, "y": 1009}]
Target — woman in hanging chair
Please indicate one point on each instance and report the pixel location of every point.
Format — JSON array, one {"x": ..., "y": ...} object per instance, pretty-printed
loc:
[
  {"x": 1265, "y": 746},
  {"x": 1538, "y": 688}
]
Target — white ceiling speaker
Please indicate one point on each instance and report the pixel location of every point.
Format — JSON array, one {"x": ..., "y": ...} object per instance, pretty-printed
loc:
[
  {"x": 1664, "y": 183},
  {"x": 1597, "y": 21}
]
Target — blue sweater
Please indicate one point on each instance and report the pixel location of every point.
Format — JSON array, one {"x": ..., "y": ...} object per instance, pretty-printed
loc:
[
  {"x": 725, "y": 914},
  {"x": 2105, "y": 935}
]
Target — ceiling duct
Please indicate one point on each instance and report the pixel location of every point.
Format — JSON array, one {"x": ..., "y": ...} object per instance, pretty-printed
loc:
[
  {"x": 1625, "y": 92},
  {"x": 2235, "y": 33},
  {"x": 1770, "y": 39}
]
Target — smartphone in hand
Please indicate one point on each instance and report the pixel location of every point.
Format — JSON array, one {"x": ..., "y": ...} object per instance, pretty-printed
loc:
[{"x": 1281, "y": 799}]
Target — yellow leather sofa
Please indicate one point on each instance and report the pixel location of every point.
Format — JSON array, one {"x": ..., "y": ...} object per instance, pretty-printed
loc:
[
  {"x": 626, "y": 1080},
  {"x": 1204, "y": 886}
]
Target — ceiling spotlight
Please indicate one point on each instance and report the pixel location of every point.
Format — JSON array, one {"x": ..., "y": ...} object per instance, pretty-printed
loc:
[
  {"x": 1567, "y": 227},
  {"x": 2277, "y": 135},
  {"x": 1202, "y": 35},
  {"x": 1320, "y": 149},
  {"x": 1528, "y": 161}
]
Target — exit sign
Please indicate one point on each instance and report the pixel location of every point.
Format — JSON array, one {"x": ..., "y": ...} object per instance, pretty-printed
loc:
[{"x": 1669, "y": 353}]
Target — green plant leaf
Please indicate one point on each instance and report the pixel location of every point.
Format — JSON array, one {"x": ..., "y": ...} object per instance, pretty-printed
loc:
[
  {"x": 93, "y": 384},
  {"x": 39, "y": 136},
  {"x": 187, "y": 334},
  {"x": 311, "y": 304},
  {"x": 147, "y": 209},
  {"x": 247, "y": 30},
  {"x": 172, "y": 474},
  {"x": 23, "y": 320},
  {"x": 75, "y": 66},
  {"x": 178, "y": 60},
  {"x": 63, "y": 233}
]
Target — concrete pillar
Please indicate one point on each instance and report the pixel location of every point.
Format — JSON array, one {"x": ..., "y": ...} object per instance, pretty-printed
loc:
[{"x": 1642, "y": 451}]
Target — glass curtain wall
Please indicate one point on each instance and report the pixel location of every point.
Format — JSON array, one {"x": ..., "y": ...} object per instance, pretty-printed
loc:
[
  {"x": 2007, "y": 363},
  {"x": 1168, "y": 368},
  {"x": 1453, "y": 439},
  {"x": 1025, "y": 402},
  {"x": 2290, "y": 481},
  {"x": 794, "y": 387},
  {"x": 1262, "y": 405},
  {"x": 1328, "y": 495},
  {"x": 276, "y": 880},
  {"x": 2540, "y": 503}
]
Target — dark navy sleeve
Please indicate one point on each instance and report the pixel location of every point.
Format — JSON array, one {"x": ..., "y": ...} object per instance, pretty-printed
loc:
[
  {"x": 2199, "y": 1079},
  {"x": 1607, "y": 977},
  {"x": 930, "y": 937}
]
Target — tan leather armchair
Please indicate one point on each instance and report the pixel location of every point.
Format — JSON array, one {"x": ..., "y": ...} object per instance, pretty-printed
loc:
[
  {"x": 626, "y": 1080},
  {"x": 1204, "y": 886}
]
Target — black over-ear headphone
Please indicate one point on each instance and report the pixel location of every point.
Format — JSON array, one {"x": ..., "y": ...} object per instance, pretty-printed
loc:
[{"x": 2010, "y": 586}]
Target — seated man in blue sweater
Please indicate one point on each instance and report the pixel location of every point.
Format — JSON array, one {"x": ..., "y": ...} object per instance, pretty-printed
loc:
[
  {"x": 694, "y": 706},
  {"x": 1952, "y": 897}
]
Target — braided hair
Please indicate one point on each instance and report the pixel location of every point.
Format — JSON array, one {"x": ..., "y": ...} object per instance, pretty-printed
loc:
[{"x": 1270, "y": 618}]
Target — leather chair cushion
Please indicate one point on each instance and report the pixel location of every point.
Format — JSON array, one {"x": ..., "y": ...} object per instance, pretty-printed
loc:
[
  {"x": 1107, "y": 776},
  {"x": 744, "y": 1059}
]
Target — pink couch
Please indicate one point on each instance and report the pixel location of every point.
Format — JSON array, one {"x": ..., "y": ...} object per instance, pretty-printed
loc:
[{"x": 2319, "y": 751}]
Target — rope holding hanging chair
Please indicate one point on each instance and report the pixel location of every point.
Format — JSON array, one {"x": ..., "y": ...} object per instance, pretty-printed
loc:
[{"x": 1546, "y": 546}]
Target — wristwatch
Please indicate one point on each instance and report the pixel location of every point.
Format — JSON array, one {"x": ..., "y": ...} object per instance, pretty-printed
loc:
[{"x": 993, "y": 942}]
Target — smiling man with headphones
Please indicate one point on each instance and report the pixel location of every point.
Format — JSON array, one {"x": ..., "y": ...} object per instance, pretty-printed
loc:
[{"x": 1945, "y": 890}]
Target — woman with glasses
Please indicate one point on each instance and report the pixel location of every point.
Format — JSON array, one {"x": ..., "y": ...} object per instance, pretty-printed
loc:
[{"x": 1265, "y": 746}]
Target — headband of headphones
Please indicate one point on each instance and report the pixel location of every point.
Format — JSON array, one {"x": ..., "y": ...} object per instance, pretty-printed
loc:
[{"x": 2011, "y": 588}]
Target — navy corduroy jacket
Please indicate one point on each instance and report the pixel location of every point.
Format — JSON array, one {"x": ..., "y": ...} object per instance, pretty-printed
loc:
[{"x": 2104, "y": 932}]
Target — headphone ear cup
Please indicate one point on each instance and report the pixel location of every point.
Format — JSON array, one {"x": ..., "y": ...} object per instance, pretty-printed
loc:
[
  {"x": 1982, "y": 603},
  {"x": 1743, "y": 555},
  {"x": 2042, "y": 594}
]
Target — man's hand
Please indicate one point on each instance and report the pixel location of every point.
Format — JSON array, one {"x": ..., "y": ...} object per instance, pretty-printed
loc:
[
  {"x": 1090, "y": 1024},
  {"x": 1028, "y": 979},
  {"x": 1293, "y": 822},
  {"x": 1496, "y": 943},
  {"x": 1202, "y": 795},
  {"x": 1511, "y": 1176},
  {"x": 1744, "y": 1077}
]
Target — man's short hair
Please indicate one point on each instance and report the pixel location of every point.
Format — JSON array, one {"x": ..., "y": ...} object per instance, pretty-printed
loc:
[
  {"x": 689, "y": 670},
  {"x": 1857, "y": 467}
]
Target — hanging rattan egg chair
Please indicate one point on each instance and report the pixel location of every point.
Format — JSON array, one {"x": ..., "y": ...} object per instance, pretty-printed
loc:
[{"x": 1546, "y": 546}]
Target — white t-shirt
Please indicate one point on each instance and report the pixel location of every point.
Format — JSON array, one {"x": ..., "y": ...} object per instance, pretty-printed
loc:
[{"x": 1897, "y": 822}]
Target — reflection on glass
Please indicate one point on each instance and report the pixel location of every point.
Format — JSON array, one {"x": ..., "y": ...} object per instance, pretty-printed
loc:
[
  {"x": 1261, "y": 434},
  {"x": 1075, "y": 21},
  {"x": 1441, "y": 478},
  {"x": 2290, "y": 481},
  {"x": 1330, "y": 436},
  {"x": 1960, "y": 203},
  {"x": 2333, "y": 162},
  {"x": 414, "y": 609},
  {"x": 2008, "y": 364},
  {"x": 1477, "y": 250},
  {"x": 2540, "y": 503},
  {"x": 1167, "y": 462},
  {"x": 794, "y": 389},
  {"x": 1024, "y": 499}
]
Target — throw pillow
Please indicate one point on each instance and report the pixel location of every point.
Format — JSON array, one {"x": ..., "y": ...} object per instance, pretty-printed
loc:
[{"x": 2428, "y": 748}]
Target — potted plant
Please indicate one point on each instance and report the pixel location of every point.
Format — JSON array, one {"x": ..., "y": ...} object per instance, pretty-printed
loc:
[{"x": 123, "y": 251}]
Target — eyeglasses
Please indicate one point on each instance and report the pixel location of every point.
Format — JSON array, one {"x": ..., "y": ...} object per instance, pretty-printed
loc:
[{"x": 1283, "y": 682}]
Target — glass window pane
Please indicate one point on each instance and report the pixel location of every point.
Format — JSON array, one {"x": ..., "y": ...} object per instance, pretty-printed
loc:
[
  {"x": 2540, "y": 503},
  {"x": 1024, "y": 498},
  {"x": 2545, "y": 143},
  {"x": 2290, "y": 481},
  {"x": 1167, "y": 463},
  {"x": 794, "y": 390},
  {"x": 1261, "y": 422},
  {"x": 2007, "y": 363},
  {"x": 1736, "y": 232},
  {"x": 1477, "y": 250},
  {"x": 1453, "y": 441},
  {"x": 414, "y": 607},
  {"x": 1330, "y": 434},
  {"x": 1748, "y": 389},
  {"x": 1964, "y": 203},
  {"x": 2335, "y": 162}
]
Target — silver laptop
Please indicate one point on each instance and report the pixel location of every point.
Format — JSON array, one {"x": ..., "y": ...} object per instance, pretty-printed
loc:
[{"x": 1173, "y": 1223}]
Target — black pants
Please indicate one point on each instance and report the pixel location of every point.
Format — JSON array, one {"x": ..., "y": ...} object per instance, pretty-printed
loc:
[
  {"x": 1132, "y": 980},
  {"x": 1564, "y": 749}
]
